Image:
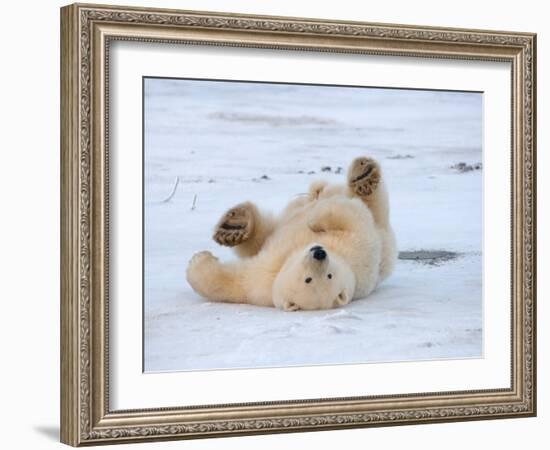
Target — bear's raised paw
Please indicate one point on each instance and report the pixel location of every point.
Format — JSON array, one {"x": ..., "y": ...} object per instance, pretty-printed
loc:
[
  {"x": 364, "y": 176},
  {"x": 235, "y": 226}
]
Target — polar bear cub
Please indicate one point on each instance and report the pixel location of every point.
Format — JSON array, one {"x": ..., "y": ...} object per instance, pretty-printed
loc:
[{"x": 326, "y": 248}]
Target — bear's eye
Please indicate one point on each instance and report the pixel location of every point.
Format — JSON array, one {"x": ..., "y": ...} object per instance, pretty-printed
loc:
[
  {"x": 308, "y": 280},
  {"x": 329, "y": 276}
]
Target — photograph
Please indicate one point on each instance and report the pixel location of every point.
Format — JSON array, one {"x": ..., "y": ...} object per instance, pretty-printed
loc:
[{"x": 290, "y": 224}]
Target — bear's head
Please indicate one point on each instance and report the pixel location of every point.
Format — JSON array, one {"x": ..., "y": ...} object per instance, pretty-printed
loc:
[{"x": 313, "y": 278}]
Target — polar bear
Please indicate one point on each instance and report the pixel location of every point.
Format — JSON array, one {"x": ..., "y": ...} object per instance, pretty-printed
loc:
[{"x": 328, "y": 247}]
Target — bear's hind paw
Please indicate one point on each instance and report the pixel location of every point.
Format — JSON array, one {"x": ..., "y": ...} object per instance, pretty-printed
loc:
[{"x": 364, "y": 176}]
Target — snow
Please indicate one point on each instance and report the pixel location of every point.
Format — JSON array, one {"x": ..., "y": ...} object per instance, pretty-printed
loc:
[{"x": 220, "y": 138}]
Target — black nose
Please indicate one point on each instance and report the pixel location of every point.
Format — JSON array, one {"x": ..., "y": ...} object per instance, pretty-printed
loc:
[{"x": 319, "y": 254}]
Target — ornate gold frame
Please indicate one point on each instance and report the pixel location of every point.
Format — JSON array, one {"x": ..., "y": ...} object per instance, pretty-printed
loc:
[{"x": 86, "y": 31}]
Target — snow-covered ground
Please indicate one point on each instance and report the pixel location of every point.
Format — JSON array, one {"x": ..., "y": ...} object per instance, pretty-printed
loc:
[{"x": 230, "y": 142}]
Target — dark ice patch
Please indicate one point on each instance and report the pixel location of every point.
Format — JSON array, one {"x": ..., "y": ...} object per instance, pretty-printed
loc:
[
  {"x": 431, "y": 257},
  {"x": 462, "y": 167},
  {"x": 332, "y": 169},
  {"x": 262, "y": 178}
]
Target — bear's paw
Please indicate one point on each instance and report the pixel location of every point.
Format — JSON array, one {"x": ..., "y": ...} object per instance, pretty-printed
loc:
[
  {"x": 364, "y": 176},
  {"x": 235, "y": 226}
]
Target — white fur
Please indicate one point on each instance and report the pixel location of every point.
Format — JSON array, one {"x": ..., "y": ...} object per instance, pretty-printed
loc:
[{"x": 276, "y": 260}]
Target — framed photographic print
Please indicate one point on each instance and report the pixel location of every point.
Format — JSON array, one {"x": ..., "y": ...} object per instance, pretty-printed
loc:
[{"x": 276, "y": 224}]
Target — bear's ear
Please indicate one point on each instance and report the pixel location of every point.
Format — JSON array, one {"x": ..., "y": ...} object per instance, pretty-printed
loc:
[
  {"x": 290, "y": 306},
  {"x": 342, "y": 298}
]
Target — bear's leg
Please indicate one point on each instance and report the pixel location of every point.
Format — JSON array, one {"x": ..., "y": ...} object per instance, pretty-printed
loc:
[
  {"x": 224, "y": 282},
  {"x": 244, "y": 228},
  {"x": 365, "y": 181}
]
